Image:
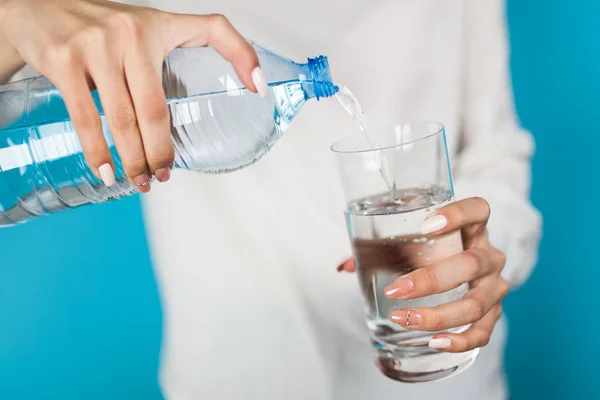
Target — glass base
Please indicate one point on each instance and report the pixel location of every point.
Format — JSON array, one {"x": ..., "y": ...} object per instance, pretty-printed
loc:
[{"x": 422, "y": 365}]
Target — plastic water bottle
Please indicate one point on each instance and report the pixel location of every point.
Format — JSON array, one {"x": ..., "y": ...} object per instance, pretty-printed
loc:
[{"x": 217, "y": 125}]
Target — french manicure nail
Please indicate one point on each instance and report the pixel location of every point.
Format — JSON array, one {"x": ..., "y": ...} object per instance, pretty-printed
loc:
[
  {"x": 433, "y": 224},
  {"x": 400, "y": 287},
  {"x": 407, "y": 318},
  {"x": 163, "y": 174},
  {"x": 143, "y": 182},
  {"x": 107, "y": 174},
  {"x": 440, "y": 343},
  {"x": 260, "y": 81}
]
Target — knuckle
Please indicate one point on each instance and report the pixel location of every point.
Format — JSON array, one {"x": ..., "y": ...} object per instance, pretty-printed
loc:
[
  {"x": 155, "y": 110},
  {"x": 436, "y": 320},
  {"x": 96, "y": 150},
  {"x": 219, "y": 25},
  {"x": 484, "y": 205},
  {"x": 504, "y": 288},
  {"x": 84, "y": 123},
  {"x": 472, "y": 263},
  {"x": 499, "y": 311},
  {"x": 95, "y": 153},
  {"x": 61, "y": 57},
  {"x": 92, "y": 37},
  {"x": 218, "y": 20},
  {"x": 484, "y": 339},
  {"x": 124, "y": 121},
  {"x": 500, "y": 258},
  {"x": 84, "y": 119},
  {"x": 457, "y": 212},
  {"x": 429, "y": 281},
  {"x": 135, "y": 166},
  {"x": 127, "y": 22},
  {"x": 162, "y": 160},
  {"x": 476, "y": 309},
  {"x": 484, "y": 235}
]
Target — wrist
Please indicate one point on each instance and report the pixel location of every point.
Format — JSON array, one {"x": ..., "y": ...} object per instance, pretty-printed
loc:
[{"x": 10, "y": 59}]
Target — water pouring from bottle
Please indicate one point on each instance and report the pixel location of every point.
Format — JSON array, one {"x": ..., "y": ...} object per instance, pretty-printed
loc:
[{"x": 353, "y": 107}]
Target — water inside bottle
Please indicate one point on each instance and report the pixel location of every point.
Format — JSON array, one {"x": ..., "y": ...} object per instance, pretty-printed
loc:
[
  {"x": 43, "y": 169},
  {"x": 351, "y": 104}
]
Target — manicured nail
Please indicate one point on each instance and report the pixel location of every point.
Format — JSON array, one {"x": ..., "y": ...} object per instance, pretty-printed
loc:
[
  {"x": 406, "y": 318},
  {"x": 440, "y": 343},
  {"x": 107, "y": 174},
  {"x": 163, "y": 174},
  {"x": 433, "y": 224},
  {"x": 143, "y": 182},
  {"x": 260, "y": 81},
  {"x": 401, "y": 287}
]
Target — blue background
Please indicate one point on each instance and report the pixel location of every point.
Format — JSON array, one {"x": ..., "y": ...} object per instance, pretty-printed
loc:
[
  {"x": 556, "y": 75},
  {"x": 91, "y": 329}
]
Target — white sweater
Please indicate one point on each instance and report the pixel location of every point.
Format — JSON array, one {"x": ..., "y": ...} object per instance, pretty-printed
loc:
[{"x": 246, "y": 261}]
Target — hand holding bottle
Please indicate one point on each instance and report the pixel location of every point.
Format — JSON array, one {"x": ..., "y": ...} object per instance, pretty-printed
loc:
[{"x": 83, "y": 45}]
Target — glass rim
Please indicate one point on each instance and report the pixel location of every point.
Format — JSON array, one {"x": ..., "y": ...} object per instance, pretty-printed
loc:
[{"x": 439, "y": 125}]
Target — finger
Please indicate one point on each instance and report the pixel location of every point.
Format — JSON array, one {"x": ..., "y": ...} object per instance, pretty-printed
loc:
[
  {"x": 442, "y": 276},
  {"x": 145, "y": 85},
  {"x": 478, "y": 335},
  {"x": 460, "y": 214},
  {"x": 472, "y": 307},
  {"x": 349, "y": 266},
  {"x": 122, "y": 121},
  {"x": 86, "y": 121},
  {"x": 181, "y": 30}
]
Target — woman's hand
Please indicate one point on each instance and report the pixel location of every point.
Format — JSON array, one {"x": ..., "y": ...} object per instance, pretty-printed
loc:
[
  {"x": 10, "y": 59},
  {"x": 479, "y": 264},
  {"x": 82, "y": 45}
]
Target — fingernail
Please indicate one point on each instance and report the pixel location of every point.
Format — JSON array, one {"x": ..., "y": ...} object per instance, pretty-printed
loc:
[
  {"x": 143, "y": 182},
  {"x": 163, "y": 174},
  {"x": 260, "y": 81},
  {"x": 399, "y": 288},
  {"x": 440, "y": 343},
  {"x": 406, "y": 318},
  {"x": 433, "y": 224},
  {"x": 107, "y": 174}
]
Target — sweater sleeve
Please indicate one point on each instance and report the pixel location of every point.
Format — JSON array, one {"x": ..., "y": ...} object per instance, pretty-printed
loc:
[{"x": 495, "y": 157}]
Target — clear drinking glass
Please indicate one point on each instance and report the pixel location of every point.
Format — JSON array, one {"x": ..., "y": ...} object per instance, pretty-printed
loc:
[{"x": 392, "y": 180}]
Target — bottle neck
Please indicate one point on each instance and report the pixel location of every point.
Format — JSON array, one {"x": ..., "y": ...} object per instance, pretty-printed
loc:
[{"x": 319, "y": 76}]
